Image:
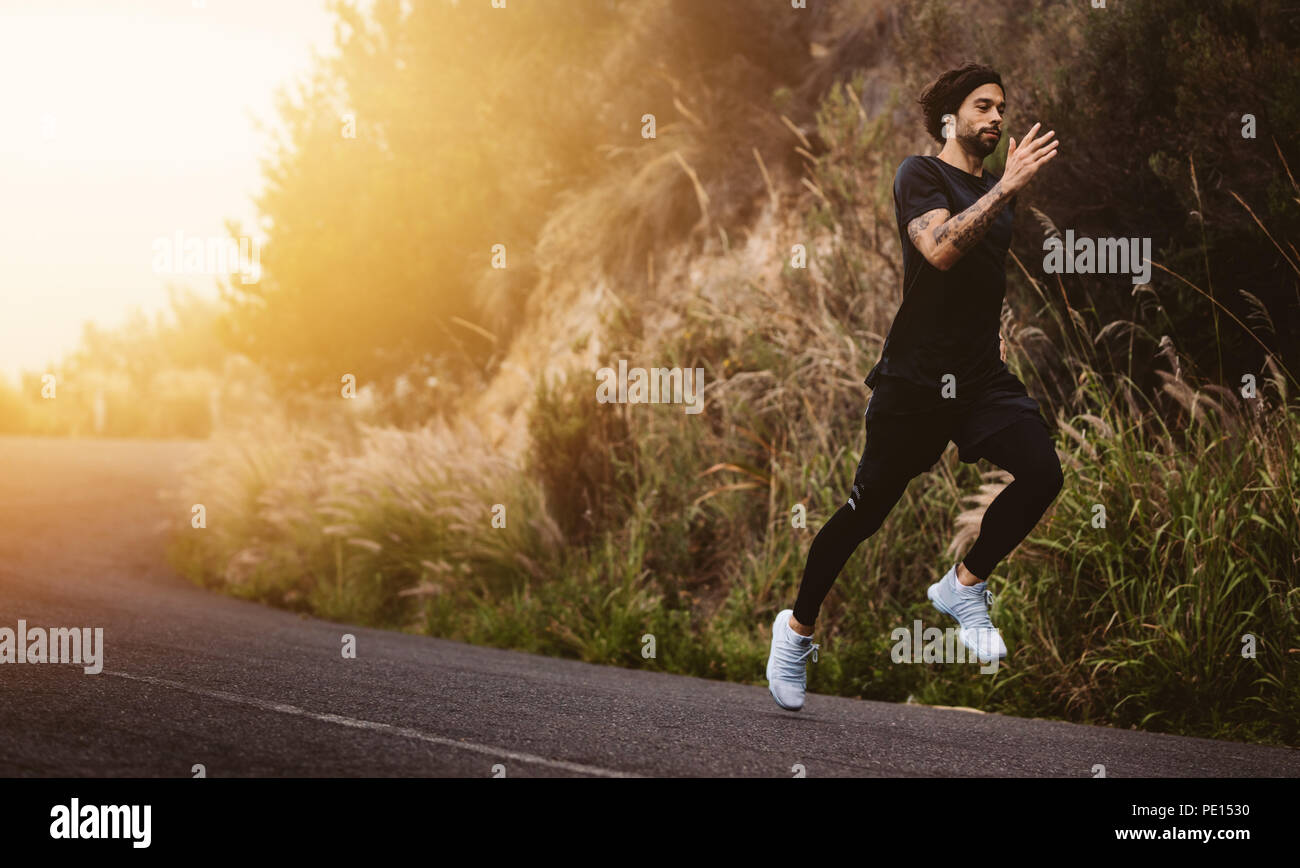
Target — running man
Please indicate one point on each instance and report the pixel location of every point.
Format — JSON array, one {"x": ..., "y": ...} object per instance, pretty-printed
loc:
[{"x": 942, "y": 373}]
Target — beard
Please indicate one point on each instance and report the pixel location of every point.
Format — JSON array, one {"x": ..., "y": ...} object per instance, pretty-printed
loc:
[{"x": 973, "y": 141}]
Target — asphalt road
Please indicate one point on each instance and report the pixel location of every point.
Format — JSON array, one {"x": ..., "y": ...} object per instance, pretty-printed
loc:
[{"x": 192, "y": 677}]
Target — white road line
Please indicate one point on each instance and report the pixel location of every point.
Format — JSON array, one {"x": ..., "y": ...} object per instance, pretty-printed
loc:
[{"x": 405, "y": 732}]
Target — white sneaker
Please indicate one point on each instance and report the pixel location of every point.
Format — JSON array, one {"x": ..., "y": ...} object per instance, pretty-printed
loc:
[
  {"x": 787, "y": 667},
  {"x": 970, "y": 606}
]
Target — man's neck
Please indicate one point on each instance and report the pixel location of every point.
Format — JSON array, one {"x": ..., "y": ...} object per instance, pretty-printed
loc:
[{"x": 954, "y": 155}]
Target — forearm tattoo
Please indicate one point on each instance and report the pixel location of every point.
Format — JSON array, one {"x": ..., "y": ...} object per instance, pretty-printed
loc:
[{"x": 965, "y": 229}]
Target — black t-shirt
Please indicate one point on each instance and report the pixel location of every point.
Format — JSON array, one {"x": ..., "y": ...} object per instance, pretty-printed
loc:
[{"x": 949, "y": 320}]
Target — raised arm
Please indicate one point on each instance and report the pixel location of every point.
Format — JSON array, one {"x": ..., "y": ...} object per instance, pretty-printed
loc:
[{"x": 943, "y": 239}]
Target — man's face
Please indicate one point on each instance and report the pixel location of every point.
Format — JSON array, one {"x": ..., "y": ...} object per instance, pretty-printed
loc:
[{"x": 979, "y": 120}]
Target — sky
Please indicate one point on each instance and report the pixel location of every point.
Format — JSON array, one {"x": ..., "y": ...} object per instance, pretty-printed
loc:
[{"x": 122, "y": 122}]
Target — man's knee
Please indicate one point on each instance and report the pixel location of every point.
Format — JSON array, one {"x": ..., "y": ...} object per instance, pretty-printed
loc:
[
  {"x": 855, "y": 495},
  {"x": 875, "y": 491}
]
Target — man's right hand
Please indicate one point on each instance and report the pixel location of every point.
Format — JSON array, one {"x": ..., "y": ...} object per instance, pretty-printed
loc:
[{"x": 1024, "y": 161}]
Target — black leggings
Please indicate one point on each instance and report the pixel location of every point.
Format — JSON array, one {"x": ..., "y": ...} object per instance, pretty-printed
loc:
[{"x": 1024, "y": 449}]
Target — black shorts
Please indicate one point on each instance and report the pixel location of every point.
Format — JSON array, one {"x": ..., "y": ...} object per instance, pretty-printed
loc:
[{"x": 909, "y": 426}]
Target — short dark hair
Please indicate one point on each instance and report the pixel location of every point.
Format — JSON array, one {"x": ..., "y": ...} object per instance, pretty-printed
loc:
[{"x": 947, "y": 92}]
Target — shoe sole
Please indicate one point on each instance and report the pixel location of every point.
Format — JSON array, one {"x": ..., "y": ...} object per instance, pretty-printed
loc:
[
  {"x": 770, "y": 657},
  {"x": 930, "y": 592}
]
